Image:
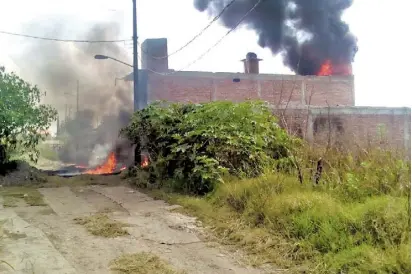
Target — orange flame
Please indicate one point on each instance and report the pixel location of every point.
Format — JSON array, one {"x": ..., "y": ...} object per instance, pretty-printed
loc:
[
  {"x": 145, "y": 161},
  {"x": 328, "y": 68},
  {"x": 108, "y": 167},
  {"x": 325, "y": 69}
]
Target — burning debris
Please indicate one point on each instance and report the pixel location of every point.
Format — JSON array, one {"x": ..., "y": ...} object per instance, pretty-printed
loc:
[
  {"x": 309, "y": 33},
  {"x": 107, "y": 167},
  {"x": 91, "y": 132},
  {"x": 110, "y": 166}
]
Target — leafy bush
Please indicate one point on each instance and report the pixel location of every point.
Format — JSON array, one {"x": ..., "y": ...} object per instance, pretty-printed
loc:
[
  {"x": 196, "y": 143},
  {"x": 22, "y": 118}
]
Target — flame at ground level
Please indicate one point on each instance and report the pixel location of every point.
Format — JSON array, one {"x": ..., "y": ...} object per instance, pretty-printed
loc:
[
  {"x": 328, "y": 68},
  {"x": 145, "y": 161},
  {"x": 108, "y": 167}
]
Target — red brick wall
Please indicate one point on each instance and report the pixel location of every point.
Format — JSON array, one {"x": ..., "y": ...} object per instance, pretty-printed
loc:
[
  {"x": 179, "y": 89},
  {"x": 329, "y": 97},
  {"x": 329, "y": 91},
  {"x": 281, "y": 91},
  {"x": 277, "y": 89}
]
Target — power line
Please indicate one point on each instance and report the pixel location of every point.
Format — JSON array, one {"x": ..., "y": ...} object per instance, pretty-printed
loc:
[
  {"x": 217, "y": 43},
  {"x": 194, "y": 38},
  {"x": 62, "y": 40},
  {"x": 125, "y": 40}
]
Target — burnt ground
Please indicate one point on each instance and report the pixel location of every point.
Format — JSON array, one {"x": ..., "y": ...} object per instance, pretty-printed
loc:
[{"x": 46, "y": 239}]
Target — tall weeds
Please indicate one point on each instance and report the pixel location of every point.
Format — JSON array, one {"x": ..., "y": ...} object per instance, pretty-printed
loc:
[{"x": 356, "y": 220}]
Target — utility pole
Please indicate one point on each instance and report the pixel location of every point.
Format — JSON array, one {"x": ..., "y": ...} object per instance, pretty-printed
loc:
[{"x": 136, "y": 99}]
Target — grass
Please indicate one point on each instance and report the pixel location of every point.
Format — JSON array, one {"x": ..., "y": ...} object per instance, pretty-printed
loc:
[
  {"x": 142, "y": 263},
  {"x": 12, "y": 196},
  {"x": 356, "y": 221},
  {"x": 101, "y": 225}
]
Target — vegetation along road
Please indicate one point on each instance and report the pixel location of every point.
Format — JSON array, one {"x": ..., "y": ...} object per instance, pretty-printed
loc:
[{"x": 226, "y": 190}]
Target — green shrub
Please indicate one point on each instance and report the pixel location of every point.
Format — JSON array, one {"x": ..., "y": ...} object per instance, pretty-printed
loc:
[
  {"x": 196, "y": 143},
  {"x": 22, "y": 117}
]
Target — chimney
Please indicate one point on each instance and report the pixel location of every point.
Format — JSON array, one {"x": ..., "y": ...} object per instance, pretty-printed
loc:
[
  {"x": 251, "y": 63},
  {"x": 154, "y": 55}
]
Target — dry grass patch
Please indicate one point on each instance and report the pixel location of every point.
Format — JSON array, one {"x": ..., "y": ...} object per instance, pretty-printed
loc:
[
  {"x": 101, "y": 225},
  {"x": 13, "y": 195},
  {"x": 142, "y": 263}
]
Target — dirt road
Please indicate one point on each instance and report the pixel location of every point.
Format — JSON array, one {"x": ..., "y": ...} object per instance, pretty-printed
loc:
[{"x": 45, "y": 239}]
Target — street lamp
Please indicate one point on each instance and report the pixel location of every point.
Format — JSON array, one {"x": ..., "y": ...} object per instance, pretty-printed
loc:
[
  {"x": 100, "y": 57},
  {"x": 104, "y": 57}
]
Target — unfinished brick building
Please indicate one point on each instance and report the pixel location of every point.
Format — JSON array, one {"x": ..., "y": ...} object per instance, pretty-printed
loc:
[{"x": 317, "y": 108}]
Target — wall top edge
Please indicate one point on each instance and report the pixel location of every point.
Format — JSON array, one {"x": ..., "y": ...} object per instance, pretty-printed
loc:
[
  {"x": 261, "y": 76},
  {"x": 357, "y": 110}
]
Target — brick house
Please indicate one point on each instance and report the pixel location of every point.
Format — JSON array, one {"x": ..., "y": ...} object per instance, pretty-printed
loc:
[{"x": 317, "y": 108}]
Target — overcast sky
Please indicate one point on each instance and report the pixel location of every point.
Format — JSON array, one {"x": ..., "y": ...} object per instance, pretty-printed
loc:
[{"x": 382, "y": 66}]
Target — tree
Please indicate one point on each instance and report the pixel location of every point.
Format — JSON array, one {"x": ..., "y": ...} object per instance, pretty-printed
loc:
[{"x": 23, "y": 119}]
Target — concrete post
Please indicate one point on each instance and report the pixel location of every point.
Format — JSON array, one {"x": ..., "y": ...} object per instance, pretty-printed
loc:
[
  {"x": 303, "y": 91},
  {"x": 309, "y": 127}
]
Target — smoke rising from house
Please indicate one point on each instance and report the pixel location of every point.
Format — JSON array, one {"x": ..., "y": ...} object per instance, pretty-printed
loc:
[
  {"x": 307, "y": 33},
  {"x": 57, "y": 66}
]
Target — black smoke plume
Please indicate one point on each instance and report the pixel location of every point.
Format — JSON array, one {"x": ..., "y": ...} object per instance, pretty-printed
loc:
[
  {"x": 306, "y": 32},
  {"x": 105, "y": 104}
]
